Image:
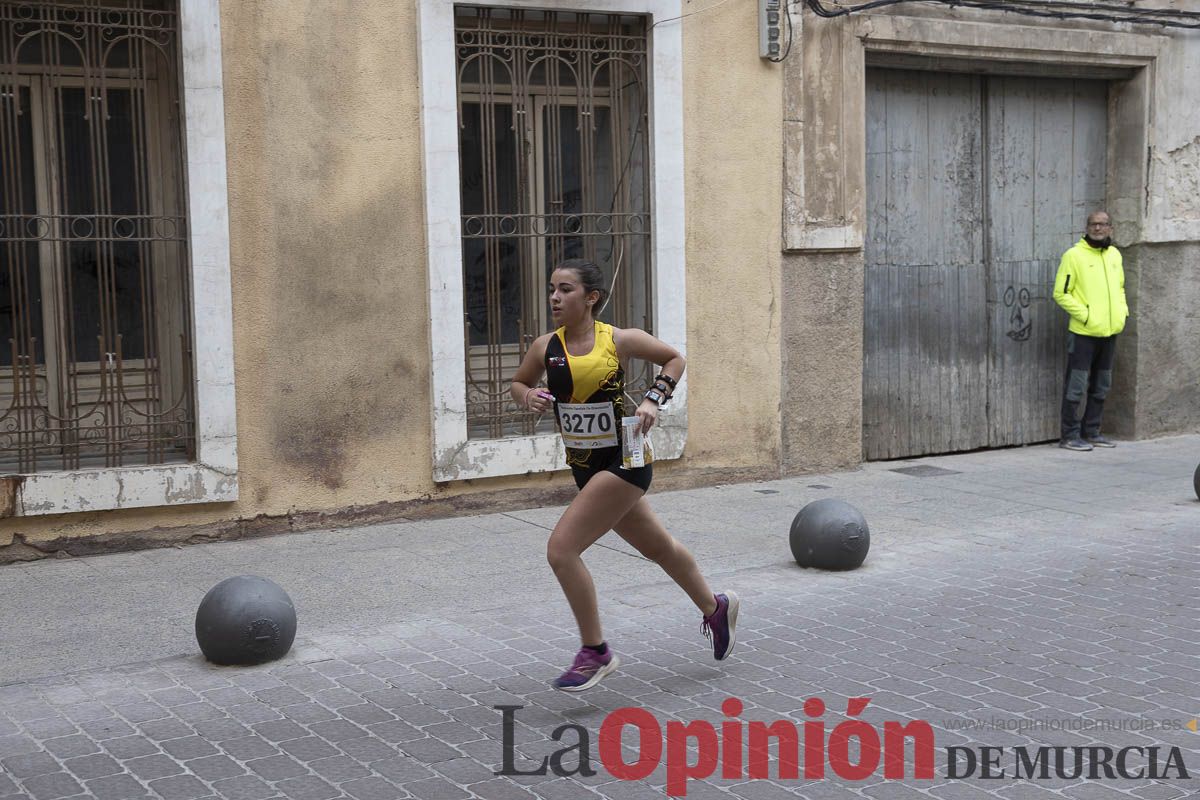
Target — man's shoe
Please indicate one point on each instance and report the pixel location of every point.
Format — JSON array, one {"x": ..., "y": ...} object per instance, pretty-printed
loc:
[
  {"x": 719, "y": 626},
  {"x": 1100, "y": 440},
  {"x": 587, "y": 670},
  {"x": 1075, "y": 444}
]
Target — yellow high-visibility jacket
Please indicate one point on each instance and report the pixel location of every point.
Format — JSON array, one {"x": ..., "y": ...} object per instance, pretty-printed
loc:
[{"x": 1090, "y": 285}]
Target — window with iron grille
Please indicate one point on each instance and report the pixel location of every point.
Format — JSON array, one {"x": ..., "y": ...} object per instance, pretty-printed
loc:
[
  {"x": 95, "y": 350},
  {"x": 554, "y": 164}
]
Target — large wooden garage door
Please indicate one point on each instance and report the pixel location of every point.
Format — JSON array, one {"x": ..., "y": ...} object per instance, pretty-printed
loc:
[{"x": 975, "y": 186}]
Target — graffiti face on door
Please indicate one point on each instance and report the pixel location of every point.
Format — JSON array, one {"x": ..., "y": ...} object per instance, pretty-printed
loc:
[{"x": 1020, "y": 321}]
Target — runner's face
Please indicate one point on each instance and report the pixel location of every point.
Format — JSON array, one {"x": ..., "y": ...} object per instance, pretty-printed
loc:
[{"x": 568, "y": 301}]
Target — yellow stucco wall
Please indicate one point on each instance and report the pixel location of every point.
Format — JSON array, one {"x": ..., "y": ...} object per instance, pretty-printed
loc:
[
  {"x": 733, "y": 162},
  {"x": 327, "y": 236},
  {"x": 327, "y": 231}
]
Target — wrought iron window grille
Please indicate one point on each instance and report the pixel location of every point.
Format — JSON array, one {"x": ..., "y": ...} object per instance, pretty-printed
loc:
[
  {"x": 95, "y": 306},
  {"x": 554, "y": 163}
]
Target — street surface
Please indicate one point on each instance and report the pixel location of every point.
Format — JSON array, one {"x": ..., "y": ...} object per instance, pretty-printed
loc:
[{"x": 1015, "y": 599}]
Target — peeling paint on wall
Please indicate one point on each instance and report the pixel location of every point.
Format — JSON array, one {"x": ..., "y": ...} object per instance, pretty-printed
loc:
[
  {"x": 191, "y": 489},
  {"x": 10, "y": 492},
  {"x": 1177, "y": 174}
]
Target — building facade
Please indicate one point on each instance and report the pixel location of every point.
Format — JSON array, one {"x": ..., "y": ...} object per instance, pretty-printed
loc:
[
  {"x": 938, "y": 161},
  {"x": 270, "y": 265}
]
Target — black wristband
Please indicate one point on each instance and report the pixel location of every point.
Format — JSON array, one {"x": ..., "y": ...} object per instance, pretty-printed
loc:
[{"x": 662, "y": 376}]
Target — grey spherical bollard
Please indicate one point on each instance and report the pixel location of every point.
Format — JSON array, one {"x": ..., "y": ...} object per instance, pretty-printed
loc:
[
  {"x": 245, "y": 620},
  {"x": 1196, "y": 482},
  {"x": 830, "y": 534}
]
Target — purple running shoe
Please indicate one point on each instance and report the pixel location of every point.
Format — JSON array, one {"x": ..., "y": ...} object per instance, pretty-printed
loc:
[
  {"x": 719, "y": 626},
  {"x": 587, "y": 670}
]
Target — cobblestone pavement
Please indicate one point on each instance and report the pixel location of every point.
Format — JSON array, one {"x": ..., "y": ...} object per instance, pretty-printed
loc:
[{"x": 1073, "y": 624}]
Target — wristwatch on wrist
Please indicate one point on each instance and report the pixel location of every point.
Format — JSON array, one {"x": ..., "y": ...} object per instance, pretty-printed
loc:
[{"x": 654, "y": 396}]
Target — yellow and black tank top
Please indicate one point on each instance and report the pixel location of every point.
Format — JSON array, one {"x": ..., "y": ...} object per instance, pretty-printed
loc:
[{"x": 579, "y": 381}]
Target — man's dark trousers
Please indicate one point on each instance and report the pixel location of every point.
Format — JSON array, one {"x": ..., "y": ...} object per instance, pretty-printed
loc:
[{"x": 1089, "y": 370}]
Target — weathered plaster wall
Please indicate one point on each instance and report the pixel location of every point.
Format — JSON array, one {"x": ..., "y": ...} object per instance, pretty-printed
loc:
[
  {"x": 732, "y": 159},
  {"x": 326, "y": 221},
  {"x": 1173, "y": 186},
  {"x": 1164, "y": 368},
  {"x": 821, "y": 366},
  {"x": 330, "y": 283},
  {"x": 1156, "y": 386}
]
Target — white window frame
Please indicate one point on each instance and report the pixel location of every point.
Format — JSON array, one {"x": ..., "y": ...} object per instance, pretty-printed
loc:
[
  {"x": 455, "y": 457},
  {"x": 212, "y": 477}
]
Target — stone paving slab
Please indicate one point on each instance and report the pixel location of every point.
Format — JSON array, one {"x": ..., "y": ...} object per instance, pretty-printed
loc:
[{"x": 1070, "y": 624}]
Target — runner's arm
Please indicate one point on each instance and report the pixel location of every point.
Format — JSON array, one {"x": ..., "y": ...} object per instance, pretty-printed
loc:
[
  {"x": 533, "y": 366},
  {"x": 636, "y": 343}
]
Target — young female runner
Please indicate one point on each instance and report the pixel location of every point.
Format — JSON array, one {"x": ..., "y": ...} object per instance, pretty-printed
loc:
[{"x": 582, "y": 361}]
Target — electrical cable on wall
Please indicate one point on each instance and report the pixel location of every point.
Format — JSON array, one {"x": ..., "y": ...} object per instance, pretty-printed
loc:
[
  {"x": 1053, "y": 9},
  {"x": 689, "y": 14},
  {"x": 787, "y": 14}
]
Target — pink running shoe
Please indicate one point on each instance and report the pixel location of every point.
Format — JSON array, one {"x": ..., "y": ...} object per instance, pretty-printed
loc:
[
  {"x": 587, "y": 670},
  {"x": 719, "y": 626}
]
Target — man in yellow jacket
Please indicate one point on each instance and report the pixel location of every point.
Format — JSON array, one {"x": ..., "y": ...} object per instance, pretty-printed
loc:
[{"x": 1091, "y": 287}]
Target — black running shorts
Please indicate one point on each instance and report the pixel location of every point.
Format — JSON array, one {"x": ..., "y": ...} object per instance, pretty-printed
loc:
[{"x": 638, "y": 476}]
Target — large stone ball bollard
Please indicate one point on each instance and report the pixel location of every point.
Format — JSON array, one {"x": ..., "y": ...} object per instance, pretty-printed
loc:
[
  {"x": 830, "y": 534},
  {"x": 245, "y": 620},
  {"x": 1196, "y": 482}
]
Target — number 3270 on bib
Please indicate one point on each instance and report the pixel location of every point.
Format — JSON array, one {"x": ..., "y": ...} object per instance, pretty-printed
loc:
[{"x": 587, "y": 426}]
